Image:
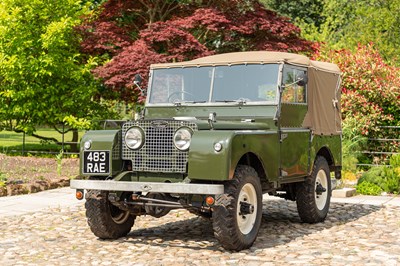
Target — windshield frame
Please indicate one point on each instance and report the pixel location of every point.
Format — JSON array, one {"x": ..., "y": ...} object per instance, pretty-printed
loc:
[{"x": 240, "y": 102}]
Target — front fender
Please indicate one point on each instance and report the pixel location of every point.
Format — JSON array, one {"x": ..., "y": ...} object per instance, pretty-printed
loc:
[
  {"x": 204, "y": 162},
  {"x": 207, "y": 164},
  {"x": 263, "y": 144},
  {"x": 104, "y": 140}
]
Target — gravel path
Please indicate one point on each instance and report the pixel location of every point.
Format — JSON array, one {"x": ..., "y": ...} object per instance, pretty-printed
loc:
[{"x": 353, "y": 234}]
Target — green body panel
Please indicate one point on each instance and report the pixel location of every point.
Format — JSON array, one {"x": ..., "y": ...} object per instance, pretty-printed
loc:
[
  {"x": 104, "y": 140},
  {"x": 295, "y": 151},
  {"x": 295, "y": 142},
  {"x": 332, "y": 143},
  {"x": 202, "y": 112},
  {"x": 292, "y": 115},
  {"x": 263, "y": 144},
  {"x": 207, "y": 164},
  {"x": 204, "y": 162}
]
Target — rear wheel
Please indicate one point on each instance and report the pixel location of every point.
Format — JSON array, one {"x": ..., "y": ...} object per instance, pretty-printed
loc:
[
  {"x": 314, "y": 195},
  {"x": 237, "y": 214},
  {"x": 106, "y": 220}
]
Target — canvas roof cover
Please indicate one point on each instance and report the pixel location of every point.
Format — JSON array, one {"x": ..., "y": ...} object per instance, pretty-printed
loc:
[{"x": 323, "y": 115}]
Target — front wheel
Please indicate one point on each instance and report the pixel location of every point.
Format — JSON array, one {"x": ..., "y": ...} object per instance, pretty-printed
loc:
[
  {"x": 105, "y": 220},
  {"x": 314, "y": 195},
  {"x": 237, "y": 214}
]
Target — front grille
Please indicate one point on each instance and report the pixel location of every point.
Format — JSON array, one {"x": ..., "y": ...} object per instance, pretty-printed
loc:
[{"x": 158, "y": 153}]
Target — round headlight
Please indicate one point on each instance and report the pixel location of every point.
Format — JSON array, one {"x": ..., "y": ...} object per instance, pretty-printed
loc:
[
  {"x": 134, "y": 138},
  {"x": 182, "y": 138}
]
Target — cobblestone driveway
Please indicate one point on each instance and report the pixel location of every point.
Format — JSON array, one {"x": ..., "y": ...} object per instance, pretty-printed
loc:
[{"x": 352, "y": 235}]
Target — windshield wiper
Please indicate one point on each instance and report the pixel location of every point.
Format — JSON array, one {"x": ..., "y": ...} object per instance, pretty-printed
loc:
[
  {"x": 240, "y": 101},
  {"x": 194, "y": 101},
  {"x": 179, "y": 103},
  {"x": 225, "y": 101}
]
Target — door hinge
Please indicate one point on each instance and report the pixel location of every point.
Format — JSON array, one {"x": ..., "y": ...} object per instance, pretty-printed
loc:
[{"x": 283, "y": 136}]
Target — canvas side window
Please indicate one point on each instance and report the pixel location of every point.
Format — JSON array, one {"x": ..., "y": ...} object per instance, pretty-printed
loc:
[{"x": 293, "y": 92}]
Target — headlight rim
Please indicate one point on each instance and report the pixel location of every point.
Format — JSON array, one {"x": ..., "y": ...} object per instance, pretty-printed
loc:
[
  {"x": 188, "y": 143},
  {"x": 142, "y": 134}
]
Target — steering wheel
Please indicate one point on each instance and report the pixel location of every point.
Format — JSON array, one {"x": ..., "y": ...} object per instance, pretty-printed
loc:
[{"x": 177, "y": 93}]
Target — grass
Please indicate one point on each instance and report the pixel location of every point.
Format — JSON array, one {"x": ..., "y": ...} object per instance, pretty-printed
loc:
[{"x": 12, "y": 142}]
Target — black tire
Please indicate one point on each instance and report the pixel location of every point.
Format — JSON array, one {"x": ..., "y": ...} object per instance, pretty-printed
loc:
[
  {"x": 233, "y": 229},
  {"x": 205, "y": 215},
  {"x": 105, "y": 220},
  {"x": 314, "y": 195}
]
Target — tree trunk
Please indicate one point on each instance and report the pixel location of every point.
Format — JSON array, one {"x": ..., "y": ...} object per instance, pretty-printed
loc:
[{"x": 75, "y": 138}]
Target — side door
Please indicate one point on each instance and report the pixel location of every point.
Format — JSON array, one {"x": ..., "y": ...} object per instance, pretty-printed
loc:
[{"x": 294, "y": 138}]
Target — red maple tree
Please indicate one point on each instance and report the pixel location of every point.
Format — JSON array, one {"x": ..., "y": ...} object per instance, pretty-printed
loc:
[{"x": 171, "y": 31}]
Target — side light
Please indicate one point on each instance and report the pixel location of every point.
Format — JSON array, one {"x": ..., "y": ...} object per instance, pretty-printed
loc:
[
  {"x": 79, "y": 194},
  {"x": 218, "y": 147},
  {"x": 87, "y": 144},
  {"x": 210, "y": 200}
]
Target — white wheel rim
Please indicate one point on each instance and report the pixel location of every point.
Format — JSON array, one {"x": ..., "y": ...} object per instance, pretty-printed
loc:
[
  {"x": 248, "y": 195},
  {"x": 120, "y": 218},
  {"x": 117, "y": 215},
  {"x": 321, "y": 179}
]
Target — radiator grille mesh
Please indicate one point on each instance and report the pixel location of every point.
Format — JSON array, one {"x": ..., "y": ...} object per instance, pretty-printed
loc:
[{"x": 158, "y": 153}]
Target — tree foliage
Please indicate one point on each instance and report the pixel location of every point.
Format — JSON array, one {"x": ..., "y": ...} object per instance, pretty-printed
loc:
[
  {"x": 179, "y": 30},
  {"x": 44, "y": 79},
  {"x": 344, "y": 24},
  {"x": 307, "y": 11},
  {"x": 362, "y": 22}
]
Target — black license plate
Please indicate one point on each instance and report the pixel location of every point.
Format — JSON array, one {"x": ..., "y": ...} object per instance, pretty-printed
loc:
[{"x": 96, "y": 162}]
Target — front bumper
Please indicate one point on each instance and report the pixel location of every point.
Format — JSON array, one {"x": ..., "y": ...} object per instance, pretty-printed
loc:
[{"x": 173, "y": 188}]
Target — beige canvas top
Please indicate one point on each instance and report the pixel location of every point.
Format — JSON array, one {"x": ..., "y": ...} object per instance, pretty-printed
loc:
[
  {"x": 257, "y": 57},
  {"x": 323, "y": 93}
]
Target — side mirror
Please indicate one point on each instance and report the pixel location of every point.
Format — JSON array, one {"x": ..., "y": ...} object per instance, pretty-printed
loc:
[
  {"x": 137, "y": 80},
  {"x": 302, "y": 79}
]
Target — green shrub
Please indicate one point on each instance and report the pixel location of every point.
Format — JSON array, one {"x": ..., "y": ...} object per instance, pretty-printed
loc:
[
  {"x": 391, "y": 182},
  {"x": 367, "y": 188},
  {"x": 395, "y": 160},
  {"x": 352, "y": 143},
  {"x": 375, "y": 176},
  {"x": 386, "y": 178}
]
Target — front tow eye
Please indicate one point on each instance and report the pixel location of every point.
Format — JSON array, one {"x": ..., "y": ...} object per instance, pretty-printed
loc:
[
  {"x": 320, "y": 189},
  {"x": 246, "y": 208}
]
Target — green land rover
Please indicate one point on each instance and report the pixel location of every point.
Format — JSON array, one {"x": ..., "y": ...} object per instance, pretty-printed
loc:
[{"x": 216, "y": 134}]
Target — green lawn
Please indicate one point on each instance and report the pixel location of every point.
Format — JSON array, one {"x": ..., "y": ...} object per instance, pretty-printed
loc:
[{"x": 11, "y": 142}]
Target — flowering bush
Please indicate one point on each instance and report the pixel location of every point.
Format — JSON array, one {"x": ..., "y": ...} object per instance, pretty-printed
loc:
[{"x": 370, "y": 92}]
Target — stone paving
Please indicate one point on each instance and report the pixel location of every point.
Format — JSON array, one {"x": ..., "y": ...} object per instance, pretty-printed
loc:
[{"x": 353, "y": 234}]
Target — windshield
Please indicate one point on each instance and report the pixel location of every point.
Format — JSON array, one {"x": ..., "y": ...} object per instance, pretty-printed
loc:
[{"x": 238, "y": 83}]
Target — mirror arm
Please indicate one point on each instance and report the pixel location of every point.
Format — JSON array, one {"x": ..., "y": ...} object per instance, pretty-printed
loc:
[
  {"x": 137, "y": 81},
  {"x": 142, "y": 92}
]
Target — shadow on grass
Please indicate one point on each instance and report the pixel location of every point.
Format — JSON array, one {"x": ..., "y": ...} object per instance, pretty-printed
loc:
[{"x": 280, "y": 225}]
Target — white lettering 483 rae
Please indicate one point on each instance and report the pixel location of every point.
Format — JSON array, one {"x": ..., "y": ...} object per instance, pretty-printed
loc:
[{"x": 96, "y": 162}]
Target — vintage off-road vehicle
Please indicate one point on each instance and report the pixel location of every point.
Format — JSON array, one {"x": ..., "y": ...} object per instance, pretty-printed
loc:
[{"x": 215, "y": 134}]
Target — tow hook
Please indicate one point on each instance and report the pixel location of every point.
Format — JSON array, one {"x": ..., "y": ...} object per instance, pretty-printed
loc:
[{"x": 246, "y": 208}]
